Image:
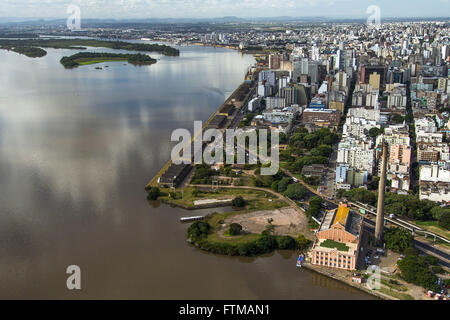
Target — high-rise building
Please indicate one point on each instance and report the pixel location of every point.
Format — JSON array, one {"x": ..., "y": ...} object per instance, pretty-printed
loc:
[{"x": 375, "y": 81}]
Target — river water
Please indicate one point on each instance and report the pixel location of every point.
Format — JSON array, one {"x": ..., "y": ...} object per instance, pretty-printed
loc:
[{"x": 77, "y": 148}]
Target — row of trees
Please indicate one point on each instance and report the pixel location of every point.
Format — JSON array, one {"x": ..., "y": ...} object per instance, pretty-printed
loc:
[
  {"x": 202, "y": 174},
  {"x": 265, "y": 243},
  {"x": 358, "y": 194},
  {"x": 419, "y": 269},
  {"x": 308, "y": 148},
  {"x": 398, "y": 239},
  {"x": 302, "y": 139},
  {"x": 410, "y": 206},
  {"x": 153, "y": 194},
  {"x": 198, "y": 235},
  {"x": 414, "y": 268},
  {"x": 164, "y": 49},
  {"x": 315, "y": 206},
  {"x": 78, "y": 43}
]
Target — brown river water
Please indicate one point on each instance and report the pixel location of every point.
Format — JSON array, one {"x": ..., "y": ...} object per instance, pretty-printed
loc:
[{"x": 77, "y": 148}]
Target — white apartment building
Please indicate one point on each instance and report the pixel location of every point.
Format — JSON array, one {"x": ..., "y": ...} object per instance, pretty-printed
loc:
[
  {"x": 434, "y": 173},
  {"x": 396, "y": 96},
  {"x": 427, "y": 137},
  {"x": 357, "y": 158},
  {"x": 278, "y": 117},
  {"x": 400, "y": 182},
  {"x": 368, "y": 114},
  {"x": 425, "y": 125},
  {"x": 434, "y": 183},
  {"x": 395, "y": 134},
  {"x": 358, "y": 127}
]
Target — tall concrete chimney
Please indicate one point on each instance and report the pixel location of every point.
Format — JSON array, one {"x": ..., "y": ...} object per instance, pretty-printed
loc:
[{"x": 381, "y": 192}]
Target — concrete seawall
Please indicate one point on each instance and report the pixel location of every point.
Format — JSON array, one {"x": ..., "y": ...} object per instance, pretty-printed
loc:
[{"x": 328, "y": 273}]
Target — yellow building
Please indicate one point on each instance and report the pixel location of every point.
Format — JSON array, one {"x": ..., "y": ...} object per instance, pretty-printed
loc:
[
  {"x": 337, "y": 105},
  {"x": 337, "y": 244},
  {"x": 374, "y": 80},
  {"x": 442, "y": 84}
]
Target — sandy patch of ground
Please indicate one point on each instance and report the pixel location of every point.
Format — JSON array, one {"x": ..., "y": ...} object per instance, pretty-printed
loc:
[
  {"x": 287, "y": 221},
  {"x": 211, "y": 201}
]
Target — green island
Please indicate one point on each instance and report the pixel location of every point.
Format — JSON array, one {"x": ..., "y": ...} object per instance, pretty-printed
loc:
[
  {"x": 85, "y": 58},
  {"x": 32, "y": 52},
  {"x": 81, "y": 44}
]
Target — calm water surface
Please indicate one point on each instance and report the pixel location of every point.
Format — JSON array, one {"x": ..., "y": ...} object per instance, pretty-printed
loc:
[{"x": 76, "y": 150}]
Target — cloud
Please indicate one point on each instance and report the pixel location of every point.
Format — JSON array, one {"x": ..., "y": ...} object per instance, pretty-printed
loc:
[{"x": 217, "y": 8}]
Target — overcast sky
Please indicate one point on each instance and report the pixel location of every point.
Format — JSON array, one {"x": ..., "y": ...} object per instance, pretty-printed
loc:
[{"x": 220, "y": 8}]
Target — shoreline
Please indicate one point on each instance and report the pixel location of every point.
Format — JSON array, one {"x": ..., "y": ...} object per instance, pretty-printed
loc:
[
  {"x": 307, "y": 265},
  {"x": 153, "y": 181},
  {"x": 196, "y": 207},
  {"x": 212, "y": 45},
  {"x": 379, "y": 295},
  {"x": 329, "y": 273}
]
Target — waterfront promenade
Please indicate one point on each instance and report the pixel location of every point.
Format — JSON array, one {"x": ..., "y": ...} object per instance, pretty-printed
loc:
[{"x": 154, "y": 181}]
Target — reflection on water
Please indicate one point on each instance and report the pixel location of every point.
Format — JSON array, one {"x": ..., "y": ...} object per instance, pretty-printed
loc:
[{"x": 76, "y": 150}]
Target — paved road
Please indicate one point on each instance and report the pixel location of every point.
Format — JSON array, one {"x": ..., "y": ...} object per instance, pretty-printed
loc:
[
  {"x": 279, "y": 195},
  {"x": 444, "y": 257},
  {"x": 330, "y": 177}
]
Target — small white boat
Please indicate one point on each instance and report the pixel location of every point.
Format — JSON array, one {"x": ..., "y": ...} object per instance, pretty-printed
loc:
[{"x": 300, "y": 260}]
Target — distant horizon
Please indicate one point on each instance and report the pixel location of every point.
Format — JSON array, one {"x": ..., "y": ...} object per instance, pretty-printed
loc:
[
  {"x": 218, "y": 9},
  {"x": 25, "y": 19}
]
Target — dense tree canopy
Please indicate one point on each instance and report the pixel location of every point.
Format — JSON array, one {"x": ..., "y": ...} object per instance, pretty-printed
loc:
[
  {"x": 374, "y": 132},
  {"x": 238, "y": 202},
  {"x": 32, "y": 52},
  {"x": 303, "y": 139},
  {"x": 198, "y": 230},
  {"x": 283, "y": 184},
  {"x": 359, "y": 194},
  {"x": 397, "y": 239},
  {"x": 295, "y": 191},
  {"x": 412, "y": 207},
  {"x": 315, "y": 206},
  {"x": 416, "y": 269},
  {"x": 75, "y": 60},
  {"x": 444, "y": 220},
  {"x": 235, "y": 229},
  {"x": 153, "y": 194}
]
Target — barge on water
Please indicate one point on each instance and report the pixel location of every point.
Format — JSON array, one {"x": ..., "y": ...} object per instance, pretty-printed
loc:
[{"x": 190, "y": 219}]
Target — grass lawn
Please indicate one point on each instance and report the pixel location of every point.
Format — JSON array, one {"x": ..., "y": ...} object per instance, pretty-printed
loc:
[
  {"x": 214, "y": 237},
  {"x": 395, "y": 294},
  {"x": 433, "y": 226},
  {"x": 87, "y": 61},
  {"x": 256, "y": 199},
  {"x": 395, "y": 286},
  {"x": 334, "y": 244}
]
